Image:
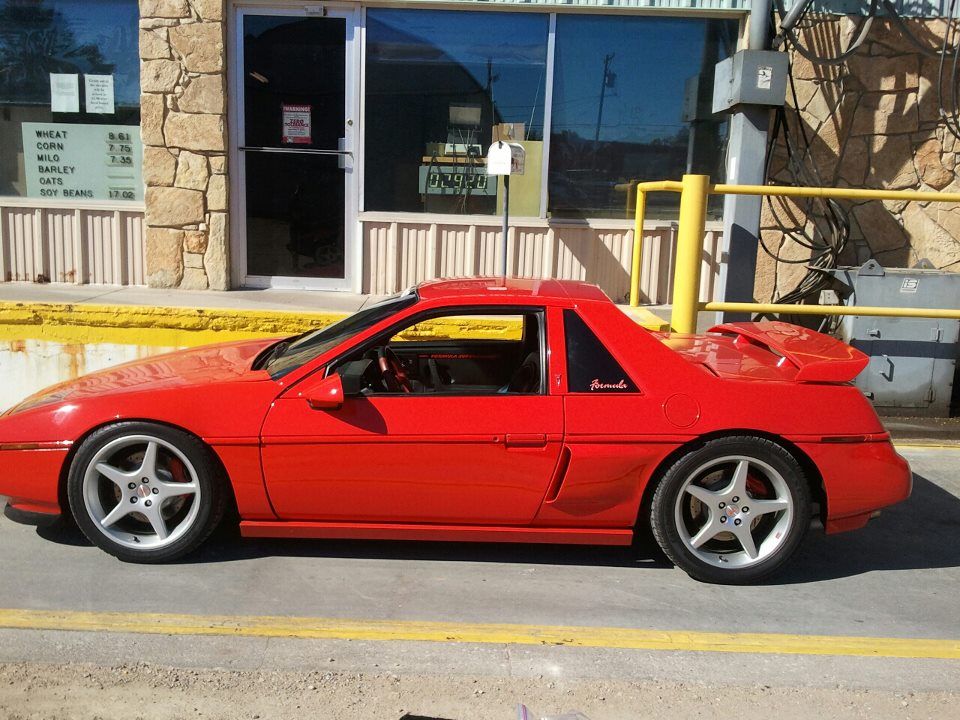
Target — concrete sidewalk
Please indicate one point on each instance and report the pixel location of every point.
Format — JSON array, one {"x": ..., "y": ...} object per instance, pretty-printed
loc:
[{"x": 924, "y": 431}]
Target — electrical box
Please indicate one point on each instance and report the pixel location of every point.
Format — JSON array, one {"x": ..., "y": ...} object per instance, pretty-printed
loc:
[
  {"x": 913, "y": 361},
  {"x": 750, "y": 77},
  {"x": 696, "y": 100}
]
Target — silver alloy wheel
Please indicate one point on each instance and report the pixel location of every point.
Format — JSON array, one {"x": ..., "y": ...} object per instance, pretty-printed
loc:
[
  {"x": 724, "y": 520},
  {"x": 132, "y": 496}
]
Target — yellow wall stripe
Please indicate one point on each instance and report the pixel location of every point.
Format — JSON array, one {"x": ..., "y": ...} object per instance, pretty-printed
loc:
[
  {"x": 390, "y": 630},
  {"x": 188, "y": 327},
  {"x": 148, "y": 325}
]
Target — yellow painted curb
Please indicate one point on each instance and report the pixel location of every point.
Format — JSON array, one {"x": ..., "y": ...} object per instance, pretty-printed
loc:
[
  {"x": 647, "y": 319},
  {"x": 148, "y": 325},
  {"x": 188, "y": 327},
  {"x": 393, "y": 630}
]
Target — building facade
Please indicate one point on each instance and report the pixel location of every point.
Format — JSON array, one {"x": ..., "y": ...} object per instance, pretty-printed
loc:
[
  {"x": 213, "y": 144},
  {"x": 340, "y": 146}
]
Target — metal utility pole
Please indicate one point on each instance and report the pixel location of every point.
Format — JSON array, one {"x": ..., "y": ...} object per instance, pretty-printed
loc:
[
  {"x": 746, "y": 165},
  {"x": 506, "y": 225},
  {"x": 603, "y": 93}
]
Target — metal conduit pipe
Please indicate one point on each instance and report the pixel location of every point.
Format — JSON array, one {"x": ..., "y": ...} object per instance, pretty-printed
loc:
[
  {"x": 758, "y": 37},
  {"x": 793, "y": 15}
]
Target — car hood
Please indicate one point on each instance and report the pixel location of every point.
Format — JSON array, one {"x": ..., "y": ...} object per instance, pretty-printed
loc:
[
  {"x": 225, "y": 362},
  {"x": 769, "y": 351}
]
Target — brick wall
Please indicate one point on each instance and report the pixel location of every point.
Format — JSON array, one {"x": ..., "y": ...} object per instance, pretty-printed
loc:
[{"x": 183, "y": 123}]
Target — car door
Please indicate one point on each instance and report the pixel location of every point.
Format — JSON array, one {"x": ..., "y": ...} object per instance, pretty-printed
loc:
[{"x": 432, "y": 457}]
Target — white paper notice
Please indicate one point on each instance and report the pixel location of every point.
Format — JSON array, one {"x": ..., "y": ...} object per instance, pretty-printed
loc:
[
  {"x": 64, "y": 93},
  {"x": 764, "y": 77},
  {"x": 98, "y": 90}
]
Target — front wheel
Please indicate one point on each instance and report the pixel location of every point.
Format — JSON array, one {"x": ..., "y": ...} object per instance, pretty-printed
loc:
[
  {"x": 731, "y": 511},
  {"x": 144, "y": 492}
]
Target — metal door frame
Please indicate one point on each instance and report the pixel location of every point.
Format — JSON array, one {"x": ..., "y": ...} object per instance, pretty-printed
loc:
[{"x": 351, "y": 146}]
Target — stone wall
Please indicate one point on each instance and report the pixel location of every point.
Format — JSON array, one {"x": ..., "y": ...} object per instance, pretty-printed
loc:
[
  {"x": 872, "y": 122},
  {"x": 183, "y": 124}
]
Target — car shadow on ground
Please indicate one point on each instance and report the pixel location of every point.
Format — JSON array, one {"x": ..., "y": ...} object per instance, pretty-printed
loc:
[{"x": 920, "y": 533}]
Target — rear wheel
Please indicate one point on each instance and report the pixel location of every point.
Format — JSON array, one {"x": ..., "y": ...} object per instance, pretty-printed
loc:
[
  {"x": 145, "y": 492},
  {"x": 732, "y": 511}
]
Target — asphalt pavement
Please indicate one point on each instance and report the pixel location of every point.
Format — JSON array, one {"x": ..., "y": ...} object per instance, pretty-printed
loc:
[{"x": 897, "y": 578}]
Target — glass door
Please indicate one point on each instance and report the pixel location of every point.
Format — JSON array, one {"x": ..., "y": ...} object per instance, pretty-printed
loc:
[{"x": 295, "y": 148}]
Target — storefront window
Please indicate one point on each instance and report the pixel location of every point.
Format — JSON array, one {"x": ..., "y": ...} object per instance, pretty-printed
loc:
[
  {"x": 619, "y": 107},
  {"x": 440, "y": 87},
  {"x": 70, "y": 100}
]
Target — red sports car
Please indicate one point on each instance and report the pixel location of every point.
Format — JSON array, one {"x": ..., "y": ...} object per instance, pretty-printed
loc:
[{"x": 480, "y": 409}]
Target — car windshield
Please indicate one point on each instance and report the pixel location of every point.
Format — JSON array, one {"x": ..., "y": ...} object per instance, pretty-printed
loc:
[{"x": 291, "y": 354}]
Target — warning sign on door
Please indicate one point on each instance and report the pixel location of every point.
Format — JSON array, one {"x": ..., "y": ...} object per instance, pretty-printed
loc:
[{"x": 296, "y": 124}]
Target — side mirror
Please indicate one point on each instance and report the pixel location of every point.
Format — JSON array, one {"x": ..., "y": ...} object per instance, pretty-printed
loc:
[{"x": 326, "y": 394}]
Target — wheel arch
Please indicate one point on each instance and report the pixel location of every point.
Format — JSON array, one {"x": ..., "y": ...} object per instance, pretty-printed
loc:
[
  {"x": 72, "y": 452},
  {"x": 812, "y": 474}
]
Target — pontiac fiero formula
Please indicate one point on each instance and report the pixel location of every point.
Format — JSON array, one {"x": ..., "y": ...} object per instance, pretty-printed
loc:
[{"x": 469, "y": 410}]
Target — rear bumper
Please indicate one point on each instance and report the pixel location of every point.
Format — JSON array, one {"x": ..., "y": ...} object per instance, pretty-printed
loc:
[
  {"x": 30, "y": 477},
  {"x": 859, "y": 479}
]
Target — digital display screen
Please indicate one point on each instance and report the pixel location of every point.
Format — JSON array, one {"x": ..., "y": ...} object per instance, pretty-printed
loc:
[{"x": 450, "y": 180}]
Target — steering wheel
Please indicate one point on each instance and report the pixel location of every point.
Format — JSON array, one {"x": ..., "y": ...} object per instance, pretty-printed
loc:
[{"x": 391, "y": 369}]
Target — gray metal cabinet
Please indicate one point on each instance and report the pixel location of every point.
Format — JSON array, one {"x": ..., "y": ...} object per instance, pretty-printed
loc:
[{"x": 912, "y": 360}]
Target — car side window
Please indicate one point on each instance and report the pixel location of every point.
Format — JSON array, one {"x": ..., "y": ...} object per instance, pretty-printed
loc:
[
  {"x": 590, "y": 366},
  {"x": 482, "y": 351}
]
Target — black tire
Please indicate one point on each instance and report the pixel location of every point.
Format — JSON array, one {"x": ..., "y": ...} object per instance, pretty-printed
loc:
[
  {"x": 679, "y": 519},
  {"x": 129, "y": 537}
]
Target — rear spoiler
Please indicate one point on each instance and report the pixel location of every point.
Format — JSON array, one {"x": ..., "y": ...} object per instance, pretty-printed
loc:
[{"x": 817, "y": 357}]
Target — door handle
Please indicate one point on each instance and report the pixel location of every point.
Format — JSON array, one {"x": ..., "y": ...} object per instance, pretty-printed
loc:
[
  {"x": 296, "y": 151},
  {"x": 526, "y": 439}
]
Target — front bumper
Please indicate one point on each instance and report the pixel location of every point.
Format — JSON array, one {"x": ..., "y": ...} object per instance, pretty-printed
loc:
[{"x": 859, "y": 479}]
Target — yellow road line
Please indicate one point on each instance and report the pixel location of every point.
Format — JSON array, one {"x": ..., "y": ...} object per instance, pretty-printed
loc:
[{"x": 453, "y": 632}]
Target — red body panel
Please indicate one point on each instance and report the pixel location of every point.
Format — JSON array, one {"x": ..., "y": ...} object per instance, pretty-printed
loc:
[
  {"x": 451, "y": 533},
  {"x": 433, "y": 459},
  {"x": 859, "y": 478},
  {"x": 241, "y": 460},
  {"x": 31, "y": 478},
  {"x": 558, "y": 467},
  {"x": 602, "y": 484},
  {"x": 817, "y": 357}
]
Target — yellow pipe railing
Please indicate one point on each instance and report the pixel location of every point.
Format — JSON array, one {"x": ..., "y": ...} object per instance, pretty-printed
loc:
[
  {"x": 834, "y": 193},
  {"x": 641, "y": 190},
  {"x": 686, "y": 267},
  {"x": 864, "y": 310},
  {"x": 694, "y": 191}
]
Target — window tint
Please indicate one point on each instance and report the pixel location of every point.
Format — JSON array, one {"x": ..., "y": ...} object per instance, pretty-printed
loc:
[{"x": 590, "y": 368}]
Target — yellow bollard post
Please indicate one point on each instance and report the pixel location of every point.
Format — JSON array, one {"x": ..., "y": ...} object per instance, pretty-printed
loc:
[
  {"x": 637, "y": 257},
  {"x": 686, "y": 274}
]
